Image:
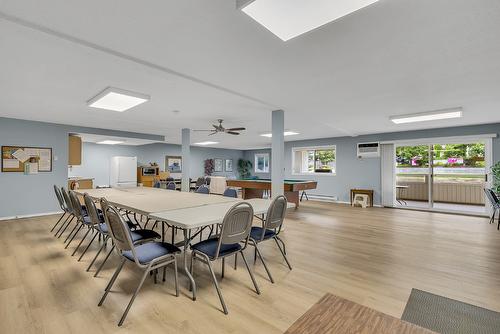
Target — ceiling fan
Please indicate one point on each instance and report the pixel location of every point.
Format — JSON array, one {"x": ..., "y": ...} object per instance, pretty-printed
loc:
[{"x": 220, "y": 129}]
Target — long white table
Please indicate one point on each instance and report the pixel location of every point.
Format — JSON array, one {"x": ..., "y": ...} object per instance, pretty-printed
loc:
[{"x": 183, "y": 210}]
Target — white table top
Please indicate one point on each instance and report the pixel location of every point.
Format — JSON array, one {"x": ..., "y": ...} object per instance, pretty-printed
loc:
[
  {"x": 183, "y": 209},
  {"x": 200, "y": 216},
  {"x": 144, "y": 200}
]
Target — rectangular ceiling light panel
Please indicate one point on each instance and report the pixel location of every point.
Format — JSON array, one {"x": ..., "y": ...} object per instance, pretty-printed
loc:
[
  {"x": 117, "y": 99},
  {"x": 290, "y": 18},
  {"x": 427, "y": 116},
  {"x": 286, "y": 133},
  {"x": 110, "y": 142},
  {"x": 205, "y": 143}
]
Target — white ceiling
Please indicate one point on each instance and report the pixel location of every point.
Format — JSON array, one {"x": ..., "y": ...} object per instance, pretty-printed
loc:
[{"x": 209, "y": 60}]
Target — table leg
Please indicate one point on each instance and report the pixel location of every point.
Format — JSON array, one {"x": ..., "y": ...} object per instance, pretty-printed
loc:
[{"x": 186, "y": 269}]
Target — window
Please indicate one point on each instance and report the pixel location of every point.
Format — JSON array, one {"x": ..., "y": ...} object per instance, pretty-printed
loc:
[
  {"x": 262, "y": 163},
  {"x": 314, "y": 160}
]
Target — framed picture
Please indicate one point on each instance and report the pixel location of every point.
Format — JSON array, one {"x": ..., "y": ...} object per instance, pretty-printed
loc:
[
  {"x": 229, "y": 165},
  {"x": 173, "y": 164},
  {"x": 262, "y": 163},
  {"x": 218, "y": 165}
]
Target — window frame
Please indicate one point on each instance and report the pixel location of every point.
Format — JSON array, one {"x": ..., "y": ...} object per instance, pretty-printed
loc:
[
  {"x": 313, "y": 148},
  {"x": 265, "y": 156}
]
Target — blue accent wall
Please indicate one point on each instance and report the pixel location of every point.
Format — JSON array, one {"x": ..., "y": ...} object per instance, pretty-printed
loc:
[{"x": 365, "y": 173}]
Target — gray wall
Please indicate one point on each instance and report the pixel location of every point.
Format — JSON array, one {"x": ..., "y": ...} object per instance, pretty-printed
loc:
[
  {"x": 22, "y": 195},
  {"x": 29, "y": 194},
  {"x": 365, "y": 173}
]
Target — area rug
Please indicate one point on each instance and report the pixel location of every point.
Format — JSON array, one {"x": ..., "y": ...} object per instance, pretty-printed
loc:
[{"x": 449, "y": 316}]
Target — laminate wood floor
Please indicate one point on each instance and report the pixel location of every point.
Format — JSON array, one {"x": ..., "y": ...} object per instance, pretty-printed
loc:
[{"x": 371, "y": 256}]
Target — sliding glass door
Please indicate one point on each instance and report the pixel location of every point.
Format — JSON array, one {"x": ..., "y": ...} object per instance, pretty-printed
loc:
[
  {"x": 447, "y": 176},
  {"x": 413, "y": 174},
  {"x": 458, "y": 177}
]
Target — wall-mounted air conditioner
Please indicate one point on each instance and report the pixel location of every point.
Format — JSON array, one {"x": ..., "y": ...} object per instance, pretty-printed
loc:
[{"x": 368, "y": 150}]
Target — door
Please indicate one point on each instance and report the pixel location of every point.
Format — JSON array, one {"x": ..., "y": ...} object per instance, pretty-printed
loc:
[
  {"x": 413, "y": 176},
  {"x": 448, "y": 176},
  {"x": 459, "y": 176}
]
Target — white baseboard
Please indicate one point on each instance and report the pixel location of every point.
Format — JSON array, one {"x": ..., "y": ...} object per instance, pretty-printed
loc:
[
  {"x": 333, "y": 199},
  {"x": 32, "y": 215}
]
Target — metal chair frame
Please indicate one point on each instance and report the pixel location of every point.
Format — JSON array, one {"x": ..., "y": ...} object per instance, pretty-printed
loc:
[
  {"x": 77, "y": 207},
  {"x": 104, "y": 206},
  {"x": 234, "y": 228},
  {"x": 69, "y": 207},
  {"x": 120, "y": 233},
  {"x": 62, "y": 205},
  {"x": 495, "y": 203},
  {"x": 273, "y": 221}
]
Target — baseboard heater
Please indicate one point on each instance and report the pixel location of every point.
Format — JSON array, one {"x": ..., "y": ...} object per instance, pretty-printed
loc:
[{"x": 326, "y": 198}]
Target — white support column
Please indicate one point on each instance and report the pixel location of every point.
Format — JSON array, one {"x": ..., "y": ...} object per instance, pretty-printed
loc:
[
  {"x": 278, "y": 153},
  {"x": 186, "y": 159}
]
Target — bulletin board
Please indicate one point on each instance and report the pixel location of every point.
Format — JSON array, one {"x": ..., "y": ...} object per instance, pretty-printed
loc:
[{"x": 16, "y": 159}]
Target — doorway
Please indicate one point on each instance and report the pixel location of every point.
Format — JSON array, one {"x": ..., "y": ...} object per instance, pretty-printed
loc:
[{"x": 444, "y": 175}]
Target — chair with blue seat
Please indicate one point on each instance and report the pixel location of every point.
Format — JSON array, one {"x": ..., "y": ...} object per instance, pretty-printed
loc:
[
  {"x": 495, "y": 205},
  {"x": 271, "y": 227},
  {"x": 203, "y": 190},
  {"x": 148, "y": 257},
  {"x": 100, "y": 227},
  {"x": 236, "y": 227},
  {"x": 84, "y": 221},
  {"x": 138, "y": 235},
  {"x": 201, "y": 181},
  {"x": 230, "y": 192}
]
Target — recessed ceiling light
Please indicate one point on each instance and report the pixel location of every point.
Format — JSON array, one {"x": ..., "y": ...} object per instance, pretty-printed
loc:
[
  {"x": 117, "y": 99},
  {"x": 286, "y": 133},
  {"x": 427, "y": 116},
  {"x": 288, "y": 19},
  {"x": 110, "y": 142},
  {"x": 204, "y": 143}
]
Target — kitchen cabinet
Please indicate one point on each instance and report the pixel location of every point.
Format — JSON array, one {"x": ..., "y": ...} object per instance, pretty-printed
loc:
[{"x": 75, "y": 151}]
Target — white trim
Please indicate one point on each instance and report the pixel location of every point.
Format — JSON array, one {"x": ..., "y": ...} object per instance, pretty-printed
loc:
[
  {"x": 266, "y": 157},
  {"x": 388, "y": 175},
  {"x": 315, "y": 174},
  {"x": 443, "y": 140},
  {"x": 32, "y": 215},
  {"x": 319, "y": 147}
]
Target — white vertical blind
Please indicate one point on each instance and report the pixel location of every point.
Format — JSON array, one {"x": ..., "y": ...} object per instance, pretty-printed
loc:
[{"x": 388, "y": 174}]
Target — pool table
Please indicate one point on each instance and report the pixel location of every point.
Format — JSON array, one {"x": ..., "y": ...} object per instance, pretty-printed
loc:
[{"x": 254, "y": 188}]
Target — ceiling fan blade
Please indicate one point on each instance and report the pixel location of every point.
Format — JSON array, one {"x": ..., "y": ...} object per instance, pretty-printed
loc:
[
  {"x": 215, "y": 126},
  {"x": 235, "y": 129},
  {"x": 213, "y": 133},
  {"x": 233, "y": 133}
]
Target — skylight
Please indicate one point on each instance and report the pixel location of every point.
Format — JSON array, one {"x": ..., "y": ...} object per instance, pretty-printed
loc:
[
  {"x": 117, "y": 99},
  {"x": 290, "y": 18}
]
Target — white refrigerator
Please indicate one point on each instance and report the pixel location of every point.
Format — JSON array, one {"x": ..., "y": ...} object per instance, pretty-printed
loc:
[{"x": 123, "y": 172}]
